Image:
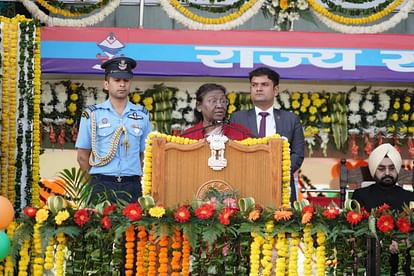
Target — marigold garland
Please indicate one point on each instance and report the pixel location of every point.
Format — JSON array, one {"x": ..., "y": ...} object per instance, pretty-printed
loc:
[
  {"x": 186, "y": 256},
  {"x": 308, "y": 240},
  {"x": 24, "y": 258},
  {"x": 355, "y": 21},
  {"x": 282, "y": 253},
  {"x": 56, "y": 10},
  {"x": 163, "y": 256},
  {"x": 267, "y": 249},
  {"x": 152, "y": 255},
  {"x": 129, "y": 249},
  {"x": 5, "y": 105},
  {"x": 320, "y": 253},
  {"x": 36, "y": 122},
  {"x": 60, "y": 254},
  {"x": 141, "y": 261},
  {"x": 50, "y": 254},
  {"x": 176, "y": 252},
  {"x": 293, "y": 254},
  {"x": 255, "y": 253},
  {"x": 220, "y": 20},
  {"x": 9, "y": 266}
]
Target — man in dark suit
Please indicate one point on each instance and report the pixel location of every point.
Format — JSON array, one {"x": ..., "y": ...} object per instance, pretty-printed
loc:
[{"x": 264, "y": 120}]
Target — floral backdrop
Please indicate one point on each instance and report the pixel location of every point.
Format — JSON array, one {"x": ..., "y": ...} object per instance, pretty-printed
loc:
[{"x": 361, "y": 117}]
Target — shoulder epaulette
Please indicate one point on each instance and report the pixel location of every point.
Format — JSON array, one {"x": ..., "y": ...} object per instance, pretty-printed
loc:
[{"x": 88, "y": 109}]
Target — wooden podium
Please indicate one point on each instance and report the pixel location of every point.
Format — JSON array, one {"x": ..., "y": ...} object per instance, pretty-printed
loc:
[{"x": 180, "y": 173}]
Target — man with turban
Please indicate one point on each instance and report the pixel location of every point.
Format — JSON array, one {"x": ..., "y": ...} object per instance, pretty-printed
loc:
[{"x": 384, "y": 165}]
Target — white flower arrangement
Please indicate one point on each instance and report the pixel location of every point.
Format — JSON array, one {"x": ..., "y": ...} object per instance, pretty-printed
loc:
[
  {"x": 173, "y": 13},
  {"x": 384, "y": 26},
  {"x": 285, "y": 13},
  {"x": 90, "y": 20}
]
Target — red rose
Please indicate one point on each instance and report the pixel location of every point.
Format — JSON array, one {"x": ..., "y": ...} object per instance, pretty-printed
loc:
[
  {"x": 385, "y": 223},
  {"x": 205, "y": 211},
  {"x": 182, "y": 214},
  {"x": 81, "y": 217},
  {"x": 404, "y": 225},
  {"x": 106, "y": 223},
  {"x": 133, "y": 211},
  {"x": 353, "y": 217},
  {"x": 30, "y": 212}
]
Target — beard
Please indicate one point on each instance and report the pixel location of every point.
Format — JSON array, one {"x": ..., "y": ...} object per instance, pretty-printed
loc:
[{"x": 386, "y": 181}]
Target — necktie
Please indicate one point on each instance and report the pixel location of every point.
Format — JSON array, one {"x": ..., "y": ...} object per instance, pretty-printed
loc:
[{"x": 262, "y": 128}]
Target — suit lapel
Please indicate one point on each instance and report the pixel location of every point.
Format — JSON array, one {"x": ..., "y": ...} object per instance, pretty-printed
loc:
[
  {"x": 252, "y": 123},
  {"x": 278, "y": 121}
]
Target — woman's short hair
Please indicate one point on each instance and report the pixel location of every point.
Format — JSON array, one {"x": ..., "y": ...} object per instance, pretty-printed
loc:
[{"x": 200, "y": 94}]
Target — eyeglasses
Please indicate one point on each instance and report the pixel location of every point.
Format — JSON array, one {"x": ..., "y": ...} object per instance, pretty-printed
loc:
[{"x": 215, "y": 101}]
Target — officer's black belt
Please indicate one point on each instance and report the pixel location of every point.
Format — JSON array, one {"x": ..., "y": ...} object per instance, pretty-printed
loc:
[{"x": 117, "y": 179}]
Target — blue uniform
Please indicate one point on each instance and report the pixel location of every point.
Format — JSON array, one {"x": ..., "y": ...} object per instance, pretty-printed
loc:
[{"x": 126, "y": 160}]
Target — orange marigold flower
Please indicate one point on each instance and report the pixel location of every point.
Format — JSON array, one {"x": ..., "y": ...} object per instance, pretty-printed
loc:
[{"x": 283, "y": 215}]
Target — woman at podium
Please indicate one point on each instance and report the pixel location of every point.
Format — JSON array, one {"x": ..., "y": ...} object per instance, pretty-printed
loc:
[{"x": 211, "y": 113}]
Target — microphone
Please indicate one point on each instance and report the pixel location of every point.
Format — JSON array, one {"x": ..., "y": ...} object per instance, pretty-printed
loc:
[
  {"x": 214, "y": 123},
  {"x": 228, "y": 124}
]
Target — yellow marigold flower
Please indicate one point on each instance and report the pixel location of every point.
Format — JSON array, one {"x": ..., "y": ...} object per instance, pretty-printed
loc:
[
  {"x": 326, "y": 119},
  {"x": 312, "y": 118},
  {"x": 403, "y": 130},
  {"x": 74, "y": 97},
  {"x": 391, "y": 129},
  {"x": 412, "y": 116},
  {"x": 394, "y": 117},
  {"x": 396, "y": 105},
  {"x": 295, "y": 104},
  {"x": 69, "y": 121},
  {"x": 61, "y": 217},
  {"x": 148, "y": 101},
  {"x": 231, "y": 97},
  {"x": 231, "y": 108},
  {"x": 407, "y": 99},
  {"x": 306, "y": 102},
  {"x": 295, "y": 96},
  {"x": 411, "y": 130},
  {"x": 317, "y": 102},
  {"x": 313, "y": 110},
  {"x": 157, "y": 211},
  {"x": 406, "y": 106},
  {"x": 404, "y": 117},
  {"x": 314, "y": 96},
  {"x": 303, "y": 109},
  {"x": 324, "y": 109},
  {"x": 72, "y": 107},
  {"x": 136, "y": 98},
  {"x": 42, "y": 215},
  {"x": 73, "y": 86}
]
